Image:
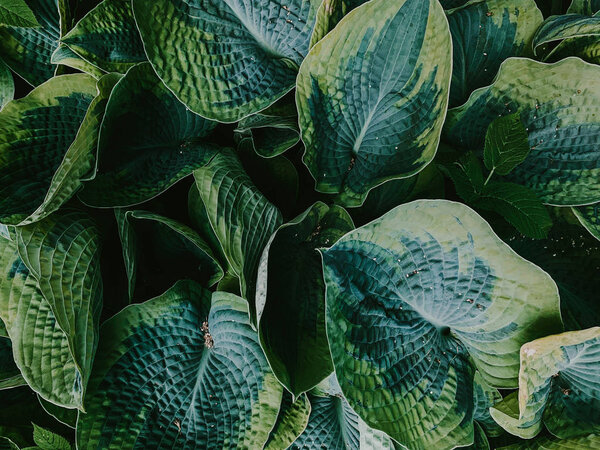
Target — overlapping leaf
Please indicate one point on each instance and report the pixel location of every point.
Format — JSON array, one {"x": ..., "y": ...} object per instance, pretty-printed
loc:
[
  {"x": 589, "y": 216},
  {"x": 329, "y": 15},
  {"x": 418, "y": 299},
  {"x": 590, "y": 441},
  {"x": 226, "y": 59},
  {"x": 210, "y": 384},
  {"x": 16, "y": 13},
  {"x": 559, "y": 385},
  {"x": 587, "y": 7},
  {"x": 484, "y": 34},
  {"x": 372, "y": 96},
  {"x": 290, "y": 297},
  {"x": 148, "y": 141},
  {"x": 7, "y": 85},
  {"x": 10, "y": 375},
  {"x": 562, "y": 118},
  {"x": 291, "y": 421}
]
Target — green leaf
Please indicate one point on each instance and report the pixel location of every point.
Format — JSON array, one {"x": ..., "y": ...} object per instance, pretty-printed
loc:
[
  {"x": 291, "y": 422},
  {"x": 416, "y": 301},
  {"x": 158, "y": 251},
  {"x": 329, "y": 15},
  {"x": 589, "y": 441},
  {"x": 226, "y": 59},
  {"x": 241, "y": 217},
  {"x": 64, "y": 56},
  {"x": 16, "y": 13},
  {"x": 467, "y": 176},
  {"x": 559, "y": 385},
  {"x": 28, "y": 51},
  {"x": 506, "y": 144},
  {"x": 588, "y": 7},
  {"x": 480, "y": 440},
  {"x": 372, "y": 96},
  {"x": 107, "y": 37},
  {"x": 484, "y": 34},
  {"x": 7, "y": 85},
  {"x": 451, "y": 4},
  {"x": 559, "y": 114},
  {"x": 10, "y": 375},
  {"x": 47, "y": 440},
  {"x": 290, "y": 297},
  {"x": 47, "y": 146},
  {"x": 484, "y": 397},
  {"x": 179, "y": 372},
  {"x": 65, "y": 416},
  {"x": 575, "y": 35},
  {"x": 589, "y": 217},
  {"x": 148, "y": 141}
]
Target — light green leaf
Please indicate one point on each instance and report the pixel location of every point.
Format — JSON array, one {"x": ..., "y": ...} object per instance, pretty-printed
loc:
[
  {"x": 560, "y": 114},
  {"x": 329, "y": 15},
  {"x": 484, "y": 34},
  {"x": 372, "y": 96},
  {"x": 416, "y": 301},
  {"x": 506, "y": 144},
  {"x": 589, "y": 217},
  {"x": 575, "y": 35},
  {"x": 290, "y": 297},
  {"x": 484, "y": 397},
  {"x": 16, "y": 13},
  {"x": 47, "y": 440},
  {"x": 7, "y": 85},
  {"x": 148, "y": 141},
  {"x": 559, "y": 384},
  {"x": 177, "y": 372},
  {"x": 291, "y": 422},
  {"x": 28, "y": 51},
  {"x": 159, "y": 251},
  {"x": 590, "y": 441},
  {"x": 10, "y": 375},
  {"x": 64, "y": 56},
  {"x": 47, "y": 146},
  {"x": 226, "y": 59},
  {"x": 107, "y": 37},
  {"x": 241, "y": 217},
  {"x": 587, "y": 7}
]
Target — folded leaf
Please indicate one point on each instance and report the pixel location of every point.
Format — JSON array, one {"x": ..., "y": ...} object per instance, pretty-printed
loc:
[
  {"x": 418, "y": 299},
  {"x": 372, "y": 96},
  {"x": 290, "y": 297},
  {"x": 558, "y": 106},
  {"x": 64, "y": 56},
  {"x": 179, "y": 372},
  {"x": 16, "y": 13},
  {"x": 291, "y": 421}
]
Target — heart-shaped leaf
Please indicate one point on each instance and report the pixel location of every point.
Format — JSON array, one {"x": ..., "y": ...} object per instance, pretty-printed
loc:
[
  {"x": 559, "y": 112},
  {"x": 290, "y": 297},
  {"x": 148, "y": 141},
  {"x": 372, "y": 96},
  {"x": 418, "y": 299},
  {"x": 226, "y": 59},
  {"x": 559, "y": 384},
  {"x": 210, "y": 384}
]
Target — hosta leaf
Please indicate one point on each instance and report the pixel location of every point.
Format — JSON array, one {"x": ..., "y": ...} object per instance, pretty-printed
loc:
[
  {"x": 576, "y": 36},
  {"x": 329, "y": 15},
  {"x": 159, "y": 251},
  {"x": 291, "y": 422},
  {"x": 226, "y": 59},
  {"x": 451, "y": 4},
  {"x": 10, "y": 375},
  {"x": 241, "y": 217},
  {"x": 62, "y": 252},
  {"x": 506, "y": 144},
  {"x": 148, "y": 141},
  {"x": 484, "y": 34},
  {"x": 290, "y": 297},
  {"x": 16, "y": 13},
  {"x": 560, "y": 112},
  {"x": 7, "y": 85},
  {"x": 484, "y": 397},
  {"x": 65, "y": 416},
  {"x": 107, "y": 37},
  {"x": 590, "y": 441},
  {"x": 28, "y": 51},
  {"x": 417, "y": 298},
  {"x": 44, "y": 147},
  {"x": 588, "y": 7},
  {"x": 47, "y": 440},
  {"x": 64, "y": 56},
  {"x": 589, "y": 217},
  {"x": 559, "y": 384},
  {"x": 177, "y": 372},
  {"x": 480, "y": 440},
  {"x": 372, "y": 96}
]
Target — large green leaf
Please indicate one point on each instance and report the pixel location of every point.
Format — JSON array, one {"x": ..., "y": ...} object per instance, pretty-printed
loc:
[
  {"x": 506, "y": 144},
  {"x": 559, "y": 108},
  {"x": 66, "y": 57},
  {"x": 148, "y": 141},
  {"x": 576, "y": 35},
  {"x": 484, "y": 397},
  {"x": 329, "y": 15},
  {"x": 28, "y": 51},
  {"x": 44, "y": 147},
  {"x": 10, "y": 375},
  {"x": 372, "y": 96},
  {"x": 484, "y": 34},
  {"x": 16, "y": 13},
  {"x": 290, "y": 297},
  {"x": 177, "y": 372},
  {"x": 291, "y": 422},
  {"x": 559, "y": 384},
  {"x": 590, "y": 441},
  {"x": 107, "y": 37},
  {"x": 589, "y": 217},
  {"x": 7, "y": 85},
  {"x": 159, "y": 251},
  {"x": 588, "y": 7},
  {"x": 226, "y": 59},
  {"x": 418, "y": 299},
  {"x": 241, "y": 217}
]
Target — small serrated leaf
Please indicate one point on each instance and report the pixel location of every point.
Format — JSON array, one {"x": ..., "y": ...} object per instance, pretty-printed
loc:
[
  {"x": 16, "y": 13},
  {"x": 506, "y": 144},
  {"x": 47, "y": 440}
]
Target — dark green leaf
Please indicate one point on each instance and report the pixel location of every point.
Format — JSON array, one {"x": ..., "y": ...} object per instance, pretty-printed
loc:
[{"x": 506, "y": 144}]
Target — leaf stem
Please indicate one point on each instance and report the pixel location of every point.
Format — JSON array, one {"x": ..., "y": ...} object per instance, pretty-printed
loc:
[{"x": 489, "y": 176}]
